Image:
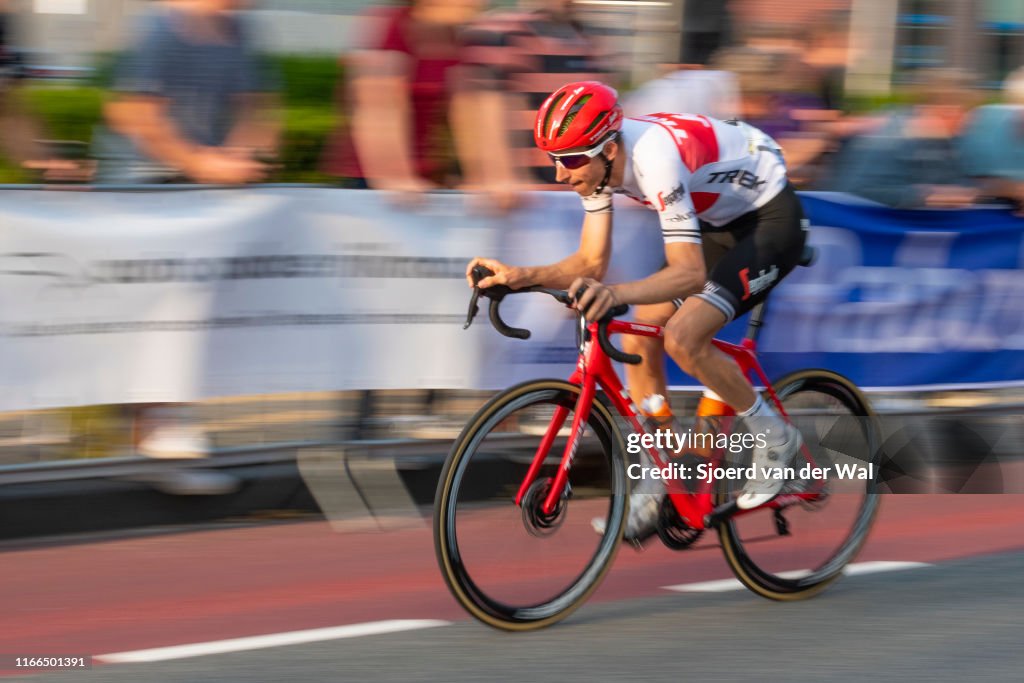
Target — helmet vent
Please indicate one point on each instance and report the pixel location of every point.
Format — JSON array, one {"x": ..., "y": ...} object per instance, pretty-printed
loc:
[
  {"x": 551, "y": 110},
  {"x": 597, "y": 119},
  {"x": 571, "y": 116}
]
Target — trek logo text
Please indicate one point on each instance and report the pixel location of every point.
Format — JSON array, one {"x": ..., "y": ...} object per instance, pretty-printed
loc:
[{"x": 742, "y": 178}]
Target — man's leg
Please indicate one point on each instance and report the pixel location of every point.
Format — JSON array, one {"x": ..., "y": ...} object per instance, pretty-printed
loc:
[
  {"x": 648, "y": 377},
  {"x": 643, "y": 380},
  {"x": 688, "y": 338}
]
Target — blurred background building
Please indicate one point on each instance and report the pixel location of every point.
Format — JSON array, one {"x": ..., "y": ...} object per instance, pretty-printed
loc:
[{"x": 890, "y": 39}]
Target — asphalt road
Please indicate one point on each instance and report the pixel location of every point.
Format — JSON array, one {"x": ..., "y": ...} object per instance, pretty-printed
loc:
[
  {"x": 957, "y": 621},
  {"x": 957, "y": 616}
]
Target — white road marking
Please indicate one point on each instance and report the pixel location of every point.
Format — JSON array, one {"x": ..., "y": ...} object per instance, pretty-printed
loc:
[
  {"x": 270, "y": 640},
  {"x": 724, "y": 585}
]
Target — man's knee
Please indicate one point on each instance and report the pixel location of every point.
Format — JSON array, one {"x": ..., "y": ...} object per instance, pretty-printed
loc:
[
  {"x": 648, "y": 314},
  {"x": 635, "y": 343},
  {"x": 654, "y": 314},
  {"x": 685, "y": 346}
]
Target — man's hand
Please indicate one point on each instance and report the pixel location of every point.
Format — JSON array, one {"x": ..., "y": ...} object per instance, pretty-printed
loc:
[
  {"x": 949, "y": 196},
  {"x": 63, "y": 170},
  {"x": 219, "y": 167},
  {"x": 596, "y": 301},
  {"x": 510, "y": 276},
  {"x": 493, "y": 200},
  {"x": 405, "y": 192}
]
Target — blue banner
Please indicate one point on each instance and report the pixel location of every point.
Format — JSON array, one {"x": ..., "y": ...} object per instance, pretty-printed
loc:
[{"x": 900, "y": 299}]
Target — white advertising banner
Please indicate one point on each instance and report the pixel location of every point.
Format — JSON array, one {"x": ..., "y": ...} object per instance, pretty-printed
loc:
[
  {"x": 113, "y": 297},
  {"x": 184, "y": 294}
]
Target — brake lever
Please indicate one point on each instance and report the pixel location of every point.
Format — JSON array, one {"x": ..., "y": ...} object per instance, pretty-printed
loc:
[
  {"x": 473, "y": 308},
  {"x": 478, "y": 273}
]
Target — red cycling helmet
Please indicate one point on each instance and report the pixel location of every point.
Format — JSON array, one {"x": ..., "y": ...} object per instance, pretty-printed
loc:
[{"x": 579, "y": 114}]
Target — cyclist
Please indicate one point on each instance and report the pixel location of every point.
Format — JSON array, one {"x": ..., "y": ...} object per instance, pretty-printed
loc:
[{"x": 732, "y": 226}]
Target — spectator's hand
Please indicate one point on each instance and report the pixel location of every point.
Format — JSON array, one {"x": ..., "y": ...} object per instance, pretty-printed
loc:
[
  {"x": 407, "y": 193},
  {"x": 949, "y": 196},
  {"x": 597, "y": 300},
  {"x": 63, "y": 170},
  {"x": 510, "y": 276},
  {"x": 493, "y": 201},
  {"x": 226, "y": 167}
]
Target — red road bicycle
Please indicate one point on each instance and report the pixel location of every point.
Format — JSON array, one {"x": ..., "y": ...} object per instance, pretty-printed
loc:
[{"x": 532, "y": 468}]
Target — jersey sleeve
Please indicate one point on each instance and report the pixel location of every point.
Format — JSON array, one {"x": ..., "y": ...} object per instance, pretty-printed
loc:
[{"x": 664, "y": 181}]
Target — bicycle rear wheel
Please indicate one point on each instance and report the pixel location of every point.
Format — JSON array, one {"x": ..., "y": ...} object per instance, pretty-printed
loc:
[
  {"x": 799, "y": 555},
  {"x": 512, "y": 567}
]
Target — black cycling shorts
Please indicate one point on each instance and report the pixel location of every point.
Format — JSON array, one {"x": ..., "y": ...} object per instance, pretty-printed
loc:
[{"x": 747, "y": 257}]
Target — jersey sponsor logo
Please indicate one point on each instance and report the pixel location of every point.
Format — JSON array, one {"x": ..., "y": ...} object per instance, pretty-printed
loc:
[
  {"x": 763, "y": 281},
  {"x": 742, "y": 178},
  {"x": 672, "y": 197},
  {"x": 680, "y": 217}
]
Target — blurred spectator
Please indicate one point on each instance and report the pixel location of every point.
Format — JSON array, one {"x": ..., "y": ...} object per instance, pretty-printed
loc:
[
  {"x": 826, "y": 55},
  {"x": 399, "y": 92},
  {"x": 194, "y": 102},
  {"x": 687, "y": 88},
  {"x": 993, "y": 144},
  {"x": 513, "y": 61},
  {"x": 777, "y": 96},
  {"x": 913, "y": 159},
  {"x": 192, "y": 106}
]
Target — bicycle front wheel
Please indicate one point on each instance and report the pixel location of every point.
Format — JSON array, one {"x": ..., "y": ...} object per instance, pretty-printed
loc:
[
  {"x": 512, "y": 566},
  {"x": 797, "y": 552}
]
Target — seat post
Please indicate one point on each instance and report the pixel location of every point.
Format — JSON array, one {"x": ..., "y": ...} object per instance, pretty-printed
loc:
[
  {"x": 756, "y": 321},
  {"x": 757, "y": 313}
]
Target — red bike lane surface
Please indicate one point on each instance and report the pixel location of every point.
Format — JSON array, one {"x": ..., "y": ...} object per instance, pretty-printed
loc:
[{"x": 162, "y": 590}]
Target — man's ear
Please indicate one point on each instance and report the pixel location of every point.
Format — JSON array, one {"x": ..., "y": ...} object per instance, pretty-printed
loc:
[{"x": 611, "y": 149}]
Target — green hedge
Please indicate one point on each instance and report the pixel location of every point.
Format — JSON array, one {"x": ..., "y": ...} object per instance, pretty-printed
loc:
[
  {"x": 307, "y": 83},
  {"x": 66, "y": 113}
]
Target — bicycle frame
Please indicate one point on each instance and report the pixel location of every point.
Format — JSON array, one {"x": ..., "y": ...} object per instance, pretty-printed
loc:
[{"x": 594, "y": 370}]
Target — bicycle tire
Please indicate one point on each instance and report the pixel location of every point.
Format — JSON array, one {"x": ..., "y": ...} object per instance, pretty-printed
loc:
[
  {"x": 484, "y": 607},
  {"x": 769, "y": 583}
]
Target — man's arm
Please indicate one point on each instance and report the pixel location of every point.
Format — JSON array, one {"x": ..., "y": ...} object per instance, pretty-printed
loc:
[
  {"x": 258, "y": 126},
  {"x": 487, "y": 155},
  {"x": 382, "y": 120},
  {"x": 684, "y": 275},
  {"x": 590, "y": 260},
  {"x": 144, "y": 120},
  {"x": 664, "y": 181}
]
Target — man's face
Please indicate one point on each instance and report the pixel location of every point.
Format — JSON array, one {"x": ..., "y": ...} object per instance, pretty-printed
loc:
[{"x": 584, "y": 180}]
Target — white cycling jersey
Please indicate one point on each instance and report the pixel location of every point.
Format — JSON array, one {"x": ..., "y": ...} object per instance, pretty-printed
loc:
[{"x": 689, "y": 167}]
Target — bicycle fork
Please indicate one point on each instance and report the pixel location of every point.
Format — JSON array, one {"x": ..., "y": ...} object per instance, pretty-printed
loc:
[{"x": 599, "y": 366}]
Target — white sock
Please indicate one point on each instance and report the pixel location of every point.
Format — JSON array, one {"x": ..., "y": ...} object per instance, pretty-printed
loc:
[
  {"x": 762, "y": 419},
  {"x": 759, "y": 409}
]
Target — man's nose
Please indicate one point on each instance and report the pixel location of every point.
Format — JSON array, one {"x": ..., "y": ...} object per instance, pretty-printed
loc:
[{"x": 561, "y": 174}]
